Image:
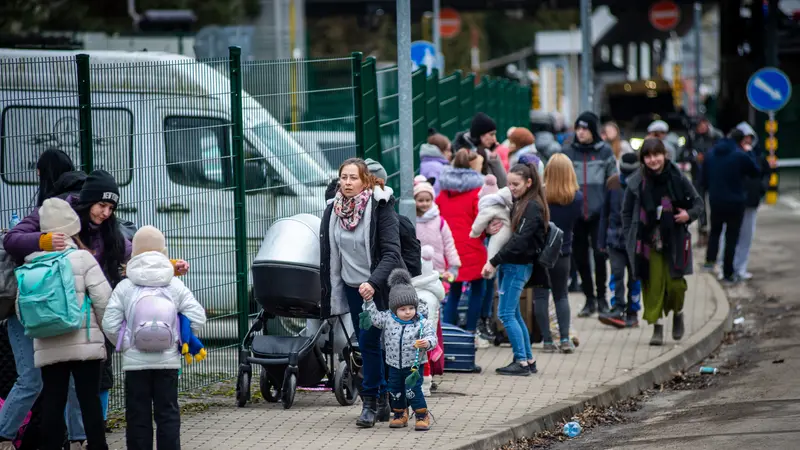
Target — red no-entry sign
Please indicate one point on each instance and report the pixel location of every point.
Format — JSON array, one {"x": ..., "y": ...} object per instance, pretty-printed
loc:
[{"x": 664, "y": 15}]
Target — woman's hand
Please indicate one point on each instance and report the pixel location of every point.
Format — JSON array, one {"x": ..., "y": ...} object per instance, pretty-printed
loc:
[
  {"x": 494, "y": 227},
  {"x": 421, "y": 343},
  {"x": 488, "y": 270},
  {"x": 181, "y": 267},
  {"x": 682, "y": 216},
  {"x": 366, "y": 291}
]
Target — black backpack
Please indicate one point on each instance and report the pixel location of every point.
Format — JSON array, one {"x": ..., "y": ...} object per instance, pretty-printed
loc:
[
  {"x": 548, "y": 255},
  {"x": 410, "y": 248}
]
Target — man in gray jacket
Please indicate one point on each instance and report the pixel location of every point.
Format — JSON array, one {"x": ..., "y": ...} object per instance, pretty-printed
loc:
[{"x": 594, "y": 163}]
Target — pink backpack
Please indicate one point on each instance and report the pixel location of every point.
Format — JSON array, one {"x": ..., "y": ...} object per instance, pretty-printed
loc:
[{"x": 154, "y": 324}]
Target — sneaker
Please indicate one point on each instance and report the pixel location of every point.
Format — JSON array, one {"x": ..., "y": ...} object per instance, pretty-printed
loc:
[
  {"x": 399, "y": 418},
  {"x": 550, "y": 347},
  {"x": 532, "y": 368},
  {"x": 484, "y": 330},
  {"x": 631, "y": 321},
  {"x": 514, "y": 369},
  {"x": 746, "y": 276},
  {"x": 567, "y": 347},
  {"x": 481, "y": 342},
  {"x": 614, "y": 318}
]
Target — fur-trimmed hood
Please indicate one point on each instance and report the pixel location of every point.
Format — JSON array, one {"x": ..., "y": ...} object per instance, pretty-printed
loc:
[{"x": 460, "y": 180}]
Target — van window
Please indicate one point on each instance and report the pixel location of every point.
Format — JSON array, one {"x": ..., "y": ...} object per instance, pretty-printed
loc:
[
  {"x": 27, "y": 131},
  {"x": 198, "y": 151}
]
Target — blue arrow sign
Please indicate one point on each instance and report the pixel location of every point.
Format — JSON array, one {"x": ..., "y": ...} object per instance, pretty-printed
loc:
[
  {"x": 769, "y": 90},
  {"x": 423, "y": 53}
]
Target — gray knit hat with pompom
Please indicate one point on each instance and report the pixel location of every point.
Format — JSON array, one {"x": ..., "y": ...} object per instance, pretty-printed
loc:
[{"x": 401, "y": 292}]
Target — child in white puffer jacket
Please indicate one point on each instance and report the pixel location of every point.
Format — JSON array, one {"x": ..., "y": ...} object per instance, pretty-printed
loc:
[{"x": 494, "y": 206}]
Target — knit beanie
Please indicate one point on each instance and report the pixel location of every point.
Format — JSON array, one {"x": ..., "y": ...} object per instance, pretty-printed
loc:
[
  {"x": 148, "y": 239},
  {"x": 628, "y": 163},
  {"x": 521, "y": 137},
  {"x": 489, "y": 186},
  {"x": 401, "y": 292},
  {"x": 421, "y": 185},
  {"x": 376, "y": 168},
  {"x": 481, "y": 124},
  {"x": 100, "y": 186},
  {"x": 57, "y": 216},
  {"x": 591, "y": 122}
]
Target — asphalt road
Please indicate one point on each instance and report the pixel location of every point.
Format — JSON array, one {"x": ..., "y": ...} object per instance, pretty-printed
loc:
[{"x": 755, "y": 401}]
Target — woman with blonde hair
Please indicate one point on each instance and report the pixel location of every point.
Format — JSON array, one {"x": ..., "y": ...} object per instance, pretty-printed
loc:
[
  {"x": 614, "y": 138},
  {"x": 565, "y": 202}
]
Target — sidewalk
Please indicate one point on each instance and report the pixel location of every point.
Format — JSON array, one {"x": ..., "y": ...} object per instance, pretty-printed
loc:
[{"x": 466, "y": 406}]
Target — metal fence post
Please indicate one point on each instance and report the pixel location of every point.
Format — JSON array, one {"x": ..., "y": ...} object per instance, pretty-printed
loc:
[
  {"x": 85, "y": 111},
  {"x": 358, "y": 102},
  {"x": 239, "y": 191}
]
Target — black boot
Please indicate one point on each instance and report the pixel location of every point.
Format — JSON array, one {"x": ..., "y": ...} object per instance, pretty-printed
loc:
[
  {"x": 368, "y": 412},
  {"x": 384, "y": 412},
  {"x": 677, "y": 326},
  {"x": 658, "y": 335},
  {"x": 589, "y": 309},
  {"x": 602, "y": 305}
]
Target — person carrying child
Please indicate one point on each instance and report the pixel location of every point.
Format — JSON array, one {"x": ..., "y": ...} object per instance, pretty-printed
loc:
[
  {"x": 142, "y": 317},
  {"x": 612, "y": 241},
  {"x": 434, "y": 231},
  {"x": 79, "y": 352},
  {"x": 407, "y": 337}
]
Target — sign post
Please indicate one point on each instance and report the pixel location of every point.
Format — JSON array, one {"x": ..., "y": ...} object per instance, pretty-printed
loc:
[{"x": 769, "y": 90}]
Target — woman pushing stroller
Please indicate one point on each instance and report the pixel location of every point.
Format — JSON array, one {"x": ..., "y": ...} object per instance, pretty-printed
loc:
[{"x": 360, "y": 246}]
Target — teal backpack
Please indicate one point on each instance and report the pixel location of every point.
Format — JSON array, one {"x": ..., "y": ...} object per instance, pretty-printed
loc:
[{"x": 47, "y": 303}]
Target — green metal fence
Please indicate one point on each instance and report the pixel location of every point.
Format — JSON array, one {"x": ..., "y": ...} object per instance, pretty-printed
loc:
[{"x": 213, "y": 152}]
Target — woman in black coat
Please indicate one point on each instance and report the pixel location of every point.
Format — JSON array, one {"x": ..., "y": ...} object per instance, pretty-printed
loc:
[{"x": 359, "y": 247}]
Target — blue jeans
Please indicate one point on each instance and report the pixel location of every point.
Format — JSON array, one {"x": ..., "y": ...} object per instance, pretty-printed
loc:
[
  {"x": 514, "y": 277},
  {"x": 746, "y": 233},
  {"x": 400, "y": 396},
  {"x": 475, "y": 303},
  {"x": 28, "y": 387},
  {"x": 369, "y": 343}
]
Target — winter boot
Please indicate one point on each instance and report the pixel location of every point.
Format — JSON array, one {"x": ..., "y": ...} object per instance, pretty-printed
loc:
[
  {"x": 658, "y": 335},
  {"x": 485, "y": 329},
  {"x": 384, "y": 412},
  {"x": 423, "y": 419},
  {"x": 589, "y": 309},
  {"x": 400, "y": 418},
  {"x": 677, "y": 326},
  {"x": 368, "y": 412}
]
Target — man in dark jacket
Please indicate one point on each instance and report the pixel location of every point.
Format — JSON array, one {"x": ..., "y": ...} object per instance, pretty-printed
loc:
[
  {"x": 701, "y": 140},
  {"x": 594, "y": 164},
  {"x": 725, "y": 170}
]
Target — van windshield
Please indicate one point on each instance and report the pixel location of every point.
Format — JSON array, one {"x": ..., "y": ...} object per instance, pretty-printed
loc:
[{"x": 291, "y": 154}]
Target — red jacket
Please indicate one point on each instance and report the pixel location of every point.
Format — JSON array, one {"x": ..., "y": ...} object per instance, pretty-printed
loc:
[{"x": 458, "y": 205}]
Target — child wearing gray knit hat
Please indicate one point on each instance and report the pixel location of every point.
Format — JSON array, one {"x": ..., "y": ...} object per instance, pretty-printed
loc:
[{"x": 407, "y": 336}]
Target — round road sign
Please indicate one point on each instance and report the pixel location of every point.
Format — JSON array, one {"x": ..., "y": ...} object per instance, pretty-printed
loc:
[
  {"x": 449, "y": 22},
  {"x": 664, "y": 15}
]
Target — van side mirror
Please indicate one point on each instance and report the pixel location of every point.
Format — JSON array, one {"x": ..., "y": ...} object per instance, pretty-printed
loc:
[{"x": 255, "y": 176}]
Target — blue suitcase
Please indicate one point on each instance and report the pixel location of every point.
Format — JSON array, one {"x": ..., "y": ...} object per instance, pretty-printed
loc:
[{"x": 459, "y": 350}]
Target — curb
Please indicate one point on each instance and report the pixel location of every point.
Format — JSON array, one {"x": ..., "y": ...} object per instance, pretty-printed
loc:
[{"x": 698, "y": 346}]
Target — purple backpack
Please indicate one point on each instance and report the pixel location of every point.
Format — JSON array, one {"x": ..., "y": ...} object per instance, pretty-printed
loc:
[{"x": 154, "y": 324}]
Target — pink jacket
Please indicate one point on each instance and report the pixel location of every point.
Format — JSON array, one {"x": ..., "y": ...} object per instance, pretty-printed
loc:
[{"x": 433, "y": 230}]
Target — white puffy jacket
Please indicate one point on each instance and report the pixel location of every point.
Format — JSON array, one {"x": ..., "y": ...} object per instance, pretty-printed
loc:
[{"x": 150, "y": 269}]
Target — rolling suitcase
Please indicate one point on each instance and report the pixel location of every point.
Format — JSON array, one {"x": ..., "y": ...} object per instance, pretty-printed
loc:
[{"x": 459, "y": 350}]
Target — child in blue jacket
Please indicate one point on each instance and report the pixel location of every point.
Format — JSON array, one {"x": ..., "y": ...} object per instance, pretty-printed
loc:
[{"x": 612, "y": 241}]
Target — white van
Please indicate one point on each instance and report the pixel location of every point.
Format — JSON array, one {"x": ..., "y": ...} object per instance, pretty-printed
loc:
[{"x": 161, "y": 126}]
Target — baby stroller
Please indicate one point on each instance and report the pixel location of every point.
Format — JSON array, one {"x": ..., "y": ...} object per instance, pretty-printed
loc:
[{"x": 286, "y": 284}]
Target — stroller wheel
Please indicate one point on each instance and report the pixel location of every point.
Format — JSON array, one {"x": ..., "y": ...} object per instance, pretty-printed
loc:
[
  {"x": 269, "y": 388},
  {"x": 242, "y": 388},
  {"x": 289, "y": 388},
  {"x": 344, "y": 385}
]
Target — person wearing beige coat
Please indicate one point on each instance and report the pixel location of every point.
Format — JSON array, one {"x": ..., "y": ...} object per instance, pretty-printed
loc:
[{"x": 76, "y": 353}]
